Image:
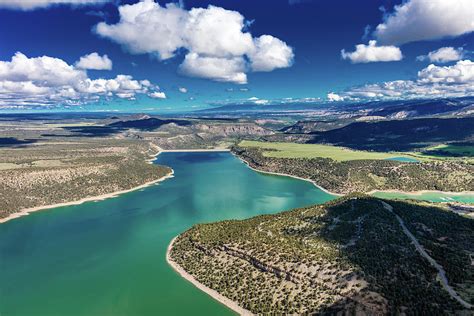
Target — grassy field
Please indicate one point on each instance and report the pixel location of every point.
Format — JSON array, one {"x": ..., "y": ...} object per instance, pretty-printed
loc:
[
  {"x": 448, "y": 150},
  {"x": 293, "y": 150}
]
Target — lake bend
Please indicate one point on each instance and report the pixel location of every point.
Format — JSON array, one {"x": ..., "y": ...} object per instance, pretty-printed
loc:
[{"x": 108, "y": 257}]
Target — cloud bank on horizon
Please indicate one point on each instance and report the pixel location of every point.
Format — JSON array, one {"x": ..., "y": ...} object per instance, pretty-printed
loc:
[
  {"x": 36, "y": 4},
  {"x": 432, "y": 82},
  {"x": 412, "y": 21}
]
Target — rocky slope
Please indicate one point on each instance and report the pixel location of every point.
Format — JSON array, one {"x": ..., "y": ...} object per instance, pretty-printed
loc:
[{"x": 348, "y": 256}]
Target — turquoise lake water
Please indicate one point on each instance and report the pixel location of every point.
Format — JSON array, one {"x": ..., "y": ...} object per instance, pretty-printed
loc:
[
  {"x": 108, "y": 257},
  {"x": 403, "y": 159}
]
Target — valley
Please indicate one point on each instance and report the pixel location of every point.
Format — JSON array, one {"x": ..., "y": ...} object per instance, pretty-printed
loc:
[{"x": 350, "y": 255}]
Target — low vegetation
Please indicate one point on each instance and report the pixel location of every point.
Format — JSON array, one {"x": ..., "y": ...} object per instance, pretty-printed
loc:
[
  {"x": 295, "y": 150},
  {"x": 56, "y": 158},
  {"x": 448, "y": 238},
  {"x": 367, "y": 175},
  {"x": 346, "y": 256},
  {"x": 42, "y": 165},
  {"x": 450, "y": 150},
  {"x": 398, "y": 135}
]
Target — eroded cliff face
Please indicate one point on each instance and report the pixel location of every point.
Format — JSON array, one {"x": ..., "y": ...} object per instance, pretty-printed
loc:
[
  {"x": 238, "y": 129},
  {"x": 202, "y": 135}
]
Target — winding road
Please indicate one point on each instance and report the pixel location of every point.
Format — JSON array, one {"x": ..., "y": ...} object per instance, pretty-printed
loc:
[{"x": 441, "y": 273}]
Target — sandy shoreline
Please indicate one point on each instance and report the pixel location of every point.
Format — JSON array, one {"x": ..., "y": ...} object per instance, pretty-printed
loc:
[
  {"x": 212, "y": 293},
  {"x": 152, "y": 158},
  {"x": 195, "y": 150},
  {"x": 290, "y": 176},
  {"x": 27, "y": 211},
  {"x": 87, "y": 199}
]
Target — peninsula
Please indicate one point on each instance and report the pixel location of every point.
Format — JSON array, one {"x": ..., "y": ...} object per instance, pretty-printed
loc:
[
  {"x": 357, "y": 254},
  {"x": 342, "y": 171}
]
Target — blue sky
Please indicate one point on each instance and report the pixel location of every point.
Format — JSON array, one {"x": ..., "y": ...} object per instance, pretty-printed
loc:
[{"x": 315, "y": 32}]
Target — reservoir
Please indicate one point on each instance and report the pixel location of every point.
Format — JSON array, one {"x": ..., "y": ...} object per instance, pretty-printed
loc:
[
  {"x": 108, "y": 257},
  {"x": 403, "y": 159}
]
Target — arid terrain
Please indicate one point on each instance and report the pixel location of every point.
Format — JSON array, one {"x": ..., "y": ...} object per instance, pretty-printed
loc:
[
  {"x": 54, "y": 159},
  {"x": 67, "y": 170},
  {"x": 366, "y": 175},
  {"x": 353, "y": 255}
]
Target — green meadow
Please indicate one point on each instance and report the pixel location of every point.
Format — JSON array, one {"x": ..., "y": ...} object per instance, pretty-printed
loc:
[
  {"x": 453, "y": 150},
  {"x": 294, "y": 150}
]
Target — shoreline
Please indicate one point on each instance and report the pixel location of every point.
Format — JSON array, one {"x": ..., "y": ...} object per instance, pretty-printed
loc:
[
  {"x": 420, "y": 192},
  {"x": 194, "y": 150},
  {"x": 27, "y": 211},
  {"x": 212, "y": 293},
  {"x": 30, "y": 210},
  {"x": 287, "y": 175}
]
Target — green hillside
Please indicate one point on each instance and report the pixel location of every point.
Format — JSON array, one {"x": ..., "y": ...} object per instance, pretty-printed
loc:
[{"x": 350, "y": 255}]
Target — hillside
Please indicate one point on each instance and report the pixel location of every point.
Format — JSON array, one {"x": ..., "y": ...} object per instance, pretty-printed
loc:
[
  {"x": 366, "y": 175},
  {"x": 47, "y": 161},
  {"x": 398, "y": 135},
  {"x": 387, "y": 109},
  {"x": 352, "y": 255}
]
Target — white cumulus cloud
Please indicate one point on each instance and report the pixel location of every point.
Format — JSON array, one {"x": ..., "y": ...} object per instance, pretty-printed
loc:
[
  {"x": 419, "y": 20},
  {"x": 431, "y": 82},
  {"x": 461, "y": 72},
  {"x": 146, "y": 27},
  {"x": 334, "y": 97},
  {"x": 50, "y": 81},
  {"x": 257, "y": 101},
  {"x": 44, "y": 71},
  {"x": 223, "y": 69},
  {"x": 217, "y": 43},
  {"x": 36, "y": 4},
  {"x": 216, "y": 32},
  {"x": 94, "y": 61},
  {"x": 443, "y": 55},
  {"x": 270, "y": 53},
  {"x": 373, "y": 53},
  {"x": 157, "y": 95}
]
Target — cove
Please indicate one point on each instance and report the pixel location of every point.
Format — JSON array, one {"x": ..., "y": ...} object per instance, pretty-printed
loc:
[
  {"x": 403, "y": 159},
  {"x": 108, "y": 257}
]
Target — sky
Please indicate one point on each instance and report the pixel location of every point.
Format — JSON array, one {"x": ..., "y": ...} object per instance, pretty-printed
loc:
[{"x": 162, "y": 56}]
